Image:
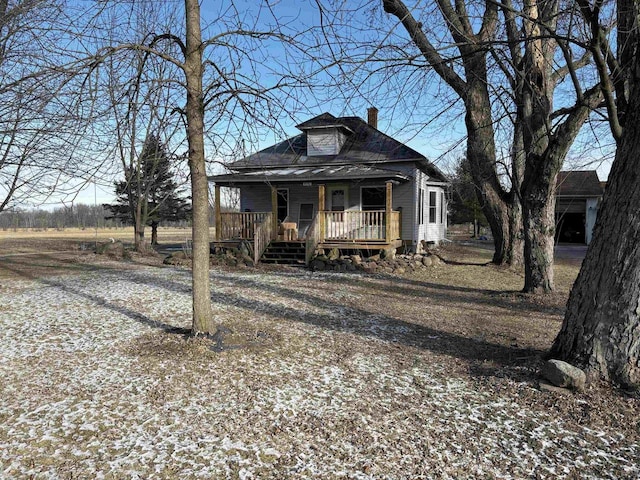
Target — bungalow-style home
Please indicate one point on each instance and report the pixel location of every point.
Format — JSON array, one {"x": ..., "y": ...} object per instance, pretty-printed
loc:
[
  {"x": 339, "y": 183},
  {"x": 578, "y": 194}
]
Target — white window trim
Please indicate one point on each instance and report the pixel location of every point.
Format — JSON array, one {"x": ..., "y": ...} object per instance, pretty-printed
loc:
[{"x": 429, "y": 192}]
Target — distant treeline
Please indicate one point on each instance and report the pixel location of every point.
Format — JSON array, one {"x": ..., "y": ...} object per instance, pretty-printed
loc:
[{"x": 75, "y": 216}]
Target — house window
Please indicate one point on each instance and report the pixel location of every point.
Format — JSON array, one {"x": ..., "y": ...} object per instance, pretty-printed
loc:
[
  {"x": 433, "y": 211},
  {"x": 421, "y": 207},
  {"x": 306, "y": 211},
  {"x": 283, "y": 204},
  {"x": 373, "y": 198},
  {"x": 337, "y": 200},
  {"x": 443, "y": 211}
]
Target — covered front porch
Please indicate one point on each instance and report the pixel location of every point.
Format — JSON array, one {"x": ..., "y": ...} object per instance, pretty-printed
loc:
[{"x": 370, "y": 229}]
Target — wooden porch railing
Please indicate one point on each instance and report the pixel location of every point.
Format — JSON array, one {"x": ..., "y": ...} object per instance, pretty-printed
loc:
[
  {"x": 360, "y": 225},
  {"x": 240, "y": 225},
  {"x": 349, "y": 225},
  {"x": 394, "y": 226},
  {"x": 262, "y": 236},
  {"x": 312, "y": 239}
]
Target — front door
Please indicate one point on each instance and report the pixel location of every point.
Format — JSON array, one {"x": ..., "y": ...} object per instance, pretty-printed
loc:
[
  {"x": 283, "y": 204},
  {"x": 337, "y": 199},
  {"x": 337, "y": 202}
]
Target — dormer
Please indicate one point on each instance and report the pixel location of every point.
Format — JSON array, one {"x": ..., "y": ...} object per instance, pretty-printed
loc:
[{"x": 325, "y": 135}]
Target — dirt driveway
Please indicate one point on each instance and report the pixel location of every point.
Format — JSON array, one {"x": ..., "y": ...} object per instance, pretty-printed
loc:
[{"x": 320, "y": 376}]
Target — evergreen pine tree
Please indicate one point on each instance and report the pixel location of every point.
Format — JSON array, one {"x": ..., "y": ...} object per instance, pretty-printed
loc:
[{"x": 149, "y": 194}]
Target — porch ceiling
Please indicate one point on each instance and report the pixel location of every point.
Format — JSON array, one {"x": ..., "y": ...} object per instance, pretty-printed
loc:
[{"x": 309, "y": 174}]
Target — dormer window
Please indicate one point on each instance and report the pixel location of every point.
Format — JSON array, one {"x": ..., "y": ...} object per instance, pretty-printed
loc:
[
  {"x": 326, "y": 135},
  {"x": 324, "y": 141}
]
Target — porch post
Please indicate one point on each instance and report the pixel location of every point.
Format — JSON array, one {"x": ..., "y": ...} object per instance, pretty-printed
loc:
[
  {"x": 321, "y": 207},
  {"x": 388, "y": 209},
  {"x": 274, "y": 212},
  {"x": 218, "y": 213}
]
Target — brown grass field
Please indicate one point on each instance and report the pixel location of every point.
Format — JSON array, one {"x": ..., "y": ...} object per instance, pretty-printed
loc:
[
  {"x": 125, "y": 234},
  {"x": 432, "y": 374}
]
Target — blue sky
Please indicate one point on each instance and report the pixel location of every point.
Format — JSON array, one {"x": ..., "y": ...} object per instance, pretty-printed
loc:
[{"x": 427, "y": 125}]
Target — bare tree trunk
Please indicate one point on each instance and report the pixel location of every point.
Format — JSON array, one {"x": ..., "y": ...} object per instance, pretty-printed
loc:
[
  {"x": 473, "y": 90},
  {"x": 202, "y": 314},
  {"x": 497, "y": 214},
  {"x": 139, "y": 240},
  {"x": 538, "y": 211},
  {"x": 516, "y": 227},
  {"x": 515, "y": 253},
  {"x": 481, "y": 153},
  {"x": 601, "y": 329},
  {"x": 154, "y": 233}
]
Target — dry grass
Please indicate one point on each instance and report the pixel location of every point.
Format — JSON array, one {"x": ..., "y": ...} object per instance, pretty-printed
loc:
[
  {"x": 325, "y": 376},
  {"x": 88, "y": 235}
]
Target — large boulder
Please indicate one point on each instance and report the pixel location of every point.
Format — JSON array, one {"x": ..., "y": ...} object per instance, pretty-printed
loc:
[
  {"x": 245, "y": 248},
  {"x": 318, "y": 265},
  {"x": 563, "y": 374},
  {"x": 388, "y": 253},
  {"x": 247, "y": 260},
  {"x": 334, "y": 254},
  {"x": 435, "y": 260}
]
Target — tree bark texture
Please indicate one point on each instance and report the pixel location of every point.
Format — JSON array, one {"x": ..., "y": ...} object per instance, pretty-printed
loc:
[
  {"x": 601, "y": 329},
  {"x": 481, "y": 153},
  {"x": 538, "y": 212},
  {"x": 514, "y": 255},
  {"x": 535, "y": 105},
  {"x": 193, "y": 68},
  {"x": 473, "y": 90},
  {"x": 138, "y": 222},
  {"x": 545, "y": 144},
  {"x": 154, "y": 233}
]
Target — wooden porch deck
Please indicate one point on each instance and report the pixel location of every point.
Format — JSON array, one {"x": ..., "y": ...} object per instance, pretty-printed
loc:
[
  {"x": 346, "y": 229},
  {"x": 349, "y": 230}
]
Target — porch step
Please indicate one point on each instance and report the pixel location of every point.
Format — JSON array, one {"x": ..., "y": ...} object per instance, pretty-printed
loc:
[{"x": 284, "y": 253}]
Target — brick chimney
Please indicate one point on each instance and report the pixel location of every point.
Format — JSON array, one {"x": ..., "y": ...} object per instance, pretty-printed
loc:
[{"x": 372, "y": 117}]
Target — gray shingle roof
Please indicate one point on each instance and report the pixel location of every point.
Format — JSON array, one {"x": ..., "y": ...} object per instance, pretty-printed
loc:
[
  {"x": 579, "y": 183},
  {"x": 364, "y": 145}
]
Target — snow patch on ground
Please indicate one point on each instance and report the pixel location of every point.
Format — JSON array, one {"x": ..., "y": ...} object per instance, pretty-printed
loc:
[{"x": 93, "y": 387}]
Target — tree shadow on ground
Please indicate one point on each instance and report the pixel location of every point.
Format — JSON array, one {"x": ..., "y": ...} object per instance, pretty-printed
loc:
[
  {"x": 37, "y": 265},
  {"x": 99, "y": 301},
  {"x": 506, "y": 299},
  {"x": 328, "y": 314},
  {"x": 338, "y": 317}
]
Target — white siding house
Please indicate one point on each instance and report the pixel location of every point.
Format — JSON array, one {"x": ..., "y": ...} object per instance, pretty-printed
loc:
[{"x": 360, "y": 179}]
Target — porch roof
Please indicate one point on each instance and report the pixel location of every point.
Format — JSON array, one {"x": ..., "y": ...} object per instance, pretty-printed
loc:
[{"x": 309, "y": 174}]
